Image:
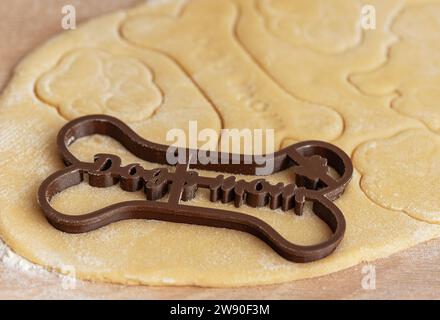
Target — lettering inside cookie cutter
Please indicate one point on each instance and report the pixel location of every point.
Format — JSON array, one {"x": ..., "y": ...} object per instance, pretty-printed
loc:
[{"x": 310, "y": 161}]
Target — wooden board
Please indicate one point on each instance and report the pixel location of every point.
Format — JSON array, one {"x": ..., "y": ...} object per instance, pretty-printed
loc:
[{"x": 414, "y": 273}]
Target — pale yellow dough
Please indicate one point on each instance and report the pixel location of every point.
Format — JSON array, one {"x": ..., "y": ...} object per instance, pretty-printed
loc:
[{"x": 303, "y": 68}]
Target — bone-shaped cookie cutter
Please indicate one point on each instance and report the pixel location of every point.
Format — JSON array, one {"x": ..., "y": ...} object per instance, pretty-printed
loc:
[{"x": 310, "y": 161}]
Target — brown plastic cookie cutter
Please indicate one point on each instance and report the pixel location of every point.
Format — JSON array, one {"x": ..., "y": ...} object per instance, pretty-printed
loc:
[{"x": 310, "y": 161}]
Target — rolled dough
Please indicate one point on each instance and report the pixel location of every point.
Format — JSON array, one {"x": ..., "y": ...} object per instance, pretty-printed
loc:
[{"x": 303, "y": 68}]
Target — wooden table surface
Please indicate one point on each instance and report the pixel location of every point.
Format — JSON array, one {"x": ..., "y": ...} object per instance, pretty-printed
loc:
[{"x": 412, "y": 274}]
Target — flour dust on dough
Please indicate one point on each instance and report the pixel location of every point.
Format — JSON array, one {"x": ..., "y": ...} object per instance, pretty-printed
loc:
[{"x": 303, "y": 68}]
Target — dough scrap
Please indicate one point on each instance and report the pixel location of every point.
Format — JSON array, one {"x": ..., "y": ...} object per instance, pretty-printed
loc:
[
  {"x": 418, "y": 29},
  {"x": 214, "y": 71},
  {"x": 326, "y": 80}
]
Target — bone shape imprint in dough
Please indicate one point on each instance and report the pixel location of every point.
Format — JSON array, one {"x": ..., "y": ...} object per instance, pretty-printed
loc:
[{"x": 310, "y": 161}]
